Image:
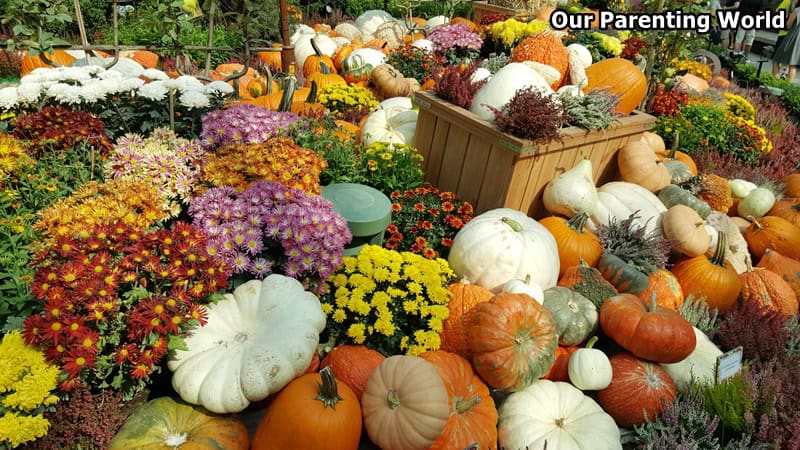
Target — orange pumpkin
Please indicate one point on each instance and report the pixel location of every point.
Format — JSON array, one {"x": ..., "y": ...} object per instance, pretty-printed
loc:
[
  {"x": 574, "y": 242},
  {"x": 312, "y": 411},
  {"x": 787, "y": 268},
  {"x": 667, "y": 289},
  {"x": 464, "y": 21},
  {"x": 769, "y": 290},
  {"x": 272, "y": 58},
  {"x": 146, "y": 58},
  {"x": 775, "y": 233},
  {"x": 463, "y": 297},
  {"x": 379, "y": 44},
  {"x": 720, "y": 82},
  {"x": 559, "y": 371},
  {"x": 473, "y": 416},
  {"x": 419, "y": 21},
  {"x": 545, "y": 48},
  {"x": 312, "y": 63},
  {"x": 675, "y": 155},
  {"x": 324, "y": 77},
  {"x": 29, "y": 63},
  {"x": 787, "y": 208},
  {"x": 791, "y": 185},
  {"x": 716, "y": 280},
  {"x": 352, "y": 365},
  {"x": 342, "y": 53},
  {"x": 619, "y": 76},
  {"x": 310, "y": 107},
  {"x": 347, "y": 131}
]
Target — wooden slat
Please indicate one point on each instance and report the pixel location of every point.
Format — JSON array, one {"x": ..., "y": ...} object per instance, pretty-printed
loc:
[
  {"x": 450, "y": 171},
  {"x": 423, "y": 135},
  {"x": 551, "y": 166},
  {"x": 519, "y": 181},
  {"x": 474, "y": 166},
  {"x": 494, "y": 184},
  {"x": 438, "y": 146}
]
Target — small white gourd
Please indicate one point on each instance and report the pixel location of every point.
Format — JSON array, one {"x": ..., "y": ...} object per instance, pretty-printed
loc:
[
  {"x": 572, "y": 192},
  {"x": 757, "y": 203},
  {"x": 741, "y": 188},
  {"x": 517, "y": 286},
  {"x": 589, "y": 368}
]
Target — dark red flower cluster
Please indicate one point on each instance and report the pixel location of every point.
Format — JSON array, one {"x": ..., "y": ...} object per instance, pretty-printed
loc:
[
  {"x": 425, "y": 221},
  {"x": 454, "y": 84},
  {"x": 668, "y": 102},
  {"x": 492, "y": 18},
  {"x": 57, "y": 128},
  {"x": 115, "y": 296},
  {"x": 632, "y": 48}
]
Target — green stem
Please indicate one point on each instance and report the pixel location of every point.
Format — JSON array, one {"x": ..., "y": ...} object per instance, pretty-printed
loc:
[
  {"x": 653, "y": 303},
  {"x": 464, "y": 406},
  {"x": 719, "y": 252},
  {"x": 512, "y": 223},
  {"x": 393, "y": 398},
  {"x": 591, "y": 342},
  {"x": 578, "y": 221},
  {"x": 328, "y": 391}
]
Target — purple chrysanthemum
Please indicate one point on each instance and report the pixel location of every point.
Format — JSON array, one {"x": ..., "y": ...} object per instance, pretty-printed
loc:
[{"x": 244, "y": 123}]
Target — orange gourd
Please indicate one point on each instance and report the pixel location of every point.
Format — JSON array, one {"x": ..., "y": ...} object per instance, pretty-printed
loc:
[
  {"x": 769, "y": 290},
  {"x": 347, "y": 131},
  {"x": 791, "y": 185},
  {"x": 545, "y": 48},
  {"x": 559, "y": 371},
  {"x": 787, "y": 208},
  {"x": 271, "y": 57},
  {"x": 675, "y": 155},
  {"x": 574, "y": 242},
  {"x": 473, "y": 416},
  {"x": 716, "y": 280},
  {"x": 147, "y": 59},
  {"x": 352, "y": 365},
  {"x": 312, "y": 411},
  {"x": 787, "y": 268},
  {"x": 379, "y": 44},
  {"x": 720, "y": 82},
  {"x": 619, "y": 76},
  {"x": 775, "y": 233},
  {"x": 312, "y": 63},
  {"x": 342, "y": 53},
  {"x": 463, "y": 297},
  {"x": 667, "y": 289},
  {"x": 29, "y": 63}
]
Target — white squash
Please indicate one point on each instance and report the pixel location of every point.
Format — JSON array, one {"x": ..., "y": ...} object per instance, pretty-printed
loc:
[
  {"x": 500, "y": 89},
  {"x": 558, "y": 414},
  {"x": 737, "y": 253},
  {"x": 619, "y": 199},
  {"x": 698, "y": 367},
  {"x": 504, "y": 244},
  {"x": 303, "y": 48},
  {"x": 348, "y": 30},
  {"x": 436, "y": 21},
  {"x": 549, "y": 73},
  {"x": 525, "y": 287},
  {"x": 424, "y": 44},
  {"x": 577, "y": 72},
  {"x": 395, "y": 125},
  {"x": 340, "y": 41},
  {"x": 589, "y": 368},
  {"x": 256, "y": 341},
  {"x": 370, "y": 56},
  {"x": 757, "y": 203},
  {"x": 481, "y": 73},
  {"x": 572, "y": 192},
  {"x": 570, "y": 89},
  {"x": 584, "y": 54},
  {"x": 397, "y": 102},
  {"x": 370, "y": 20},
  {"x": 740, "y": 188}
]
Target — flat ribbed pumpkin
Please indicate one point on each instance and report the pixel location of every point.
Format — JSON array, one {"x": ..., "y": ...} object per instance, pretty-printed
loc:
[
  {"x": 545, "y": 48},
  {"x": 618, "y": 76},
  {"x": 787, "y": 268},
  {"x": 352, "y": 365},
  {"x": 463, "y": 297},
  {"x": 769, "y": 290}
]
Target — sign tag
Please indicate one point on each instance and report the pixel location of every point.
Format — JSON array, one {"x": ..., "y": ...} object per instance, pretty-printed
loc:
[{"x": 729, "y": 364}]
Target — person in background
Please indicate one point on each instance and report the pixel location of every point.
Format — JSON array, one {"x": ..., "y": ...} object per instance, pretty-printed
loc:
[
  {"x": 744, "y": 38},
  {"x": 726, "y": 35},
  {"x": 788, "y": 52},
  {"x": 788, "y": 6}
]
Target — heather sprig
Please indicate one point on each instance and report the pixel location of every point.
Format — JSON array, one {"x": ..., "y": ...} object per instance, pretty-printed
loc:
[
  {"x": 593, "y": 111},
  {"x": 696, "y": 311},
  {"x": 531, "y": 114},
  {"x": 684, "y": 424},
  {"x": 761, "y": 333},
  {"x": 647, "y": 252},
  {"x": 244, "y": 123},
  {"x": 269, "y": 228},
  {"x": 455, "y": 84}
]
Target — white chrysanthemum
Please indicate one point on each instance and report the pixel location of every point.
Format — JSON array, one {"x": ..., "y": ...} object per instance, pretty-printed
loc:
[
  {"x": 173, "y": 83},
  {"x": 73, "y": 74},
  {"x": 8, "y": 98},
  {"x": 93, "y": 92},
  {"x": 93, "y": 69},
  {"x": 194, "y": 99},
  {"x": 219, "y": 86},
  {"x": 110, "y": 75},
  {"x": 71, "y": 95},
  {"x": 31, "y": 78},
  {"x": 155, "y": 74},
  {"x": 29, "y": 92},
  {"x": 130, "y": 84},
  {"x": 188, "y": 82},
  {"x": 111, "y": 86},
  {"x": 155, "y": 90},
  {"x": 56, "y": 91}
]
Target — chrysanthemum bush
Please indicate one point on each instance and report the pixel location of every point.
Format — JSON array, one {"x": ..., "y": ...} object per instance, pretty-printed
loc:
[
  {"x": 413, "y": 62},
  {"x": 27, "y": 382},
  {"x": 349, "y": 102},
  {"x": 425, "y": 221},
  {"x": 54, "y": 128},
  {"x": 455, "y": 43},
  {"x": 244, "y": 123},
  {"x": 389, "y": 301},
  {"x": 166, "y": 162},
  {"x": 116, "y": 299},
  {"x": 505, "y": 33},
  {"x": 391, "y": 167},
  {"x": 270, "y": 228},
  {"x": 278, "y": 159}
]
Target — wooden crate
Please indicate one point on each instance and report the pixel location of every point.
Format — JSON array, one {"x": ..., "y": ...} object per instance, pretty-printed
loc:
[
  {"x": 469, "y": 156},
  {"x": 480, "y": 9}
]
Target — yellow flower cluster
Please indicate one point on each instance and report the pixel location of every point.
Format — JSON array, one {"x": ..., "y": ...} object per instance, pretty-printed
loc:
[
  {"x": 26, "y": 385},
  {"x": 6, "y": 114},
  {"x": 511, "y": 31},
  {"x": 739, "y": 106},
  {"x": 389, "y": 301},
  {"x": 133, "y": 202},
  {"x": 610, "y": 44},
  {"x": 12, "y": 156},
  {"x": 340, "y": 97},
  {"x": 695, "y": 68},
  {"x": 765, "y": 145}
]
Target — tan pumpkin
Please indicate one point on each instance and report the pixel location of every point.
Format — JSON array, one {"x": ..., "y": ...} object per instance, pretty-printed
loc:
[
  {"x": 769, "y": 290},
  {"x": 686, "y": 230},
  {"x": 621, "y": 77},
  {"x": 638, "y": 164},
  {"x": 775, "y": 233},
  {"x": 655, "y": 142},
  {"x": 391, "y": 83},
  {"x": 690, "y": 82}
]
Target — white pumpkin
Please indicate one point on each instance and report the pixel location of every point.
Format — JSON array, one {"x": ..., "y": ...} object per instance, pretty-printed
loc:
[
  {"x": 348, "y": 30},
  {"x": 501, "y": 245},
  {"x": 698, "y": 367},
  {"x": 256, "y": 341},
  {"x": 397, "y": 102},
  {"x": 369, "y": 21},
  {"x": 424, "y": 44},
  {"x": 589, "y": 368},
  {"x": 395, "y": 125},
  {"x": 572, "y": 192},
  {"x": 740, "y": 188},
  {"x": 584, "y": 54},
  {"x": 500, "y": 89},
  {"x": 525, "y": 287},
  {"x": 481, "y": 73},
  {"x": 757, "y": 203},
  {"x": 549, "y": 73},
  {"x": 436, "y": 21},
  {"x": 556, "y": 413},
  {"x": 620, "y": 199},
  {"x": 303, "y": 48},
  {"x": 370, "y": 56}
]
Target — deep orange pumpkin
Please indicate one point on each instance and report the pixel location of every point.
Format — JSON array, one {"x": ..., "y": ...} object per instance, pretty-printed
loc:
[
  {"x": 787, "y": 268},
  {"x": 312, "y": 63},
  {"x": 29, "y": 63},
  {"x": 773, "y": 232},
  {"x": 791, "y": 185},
  {"x": 463, "y": 297},
  {"x": 619, "y": 76},
  {"x": 559, "y": 371},
  {"x": 464, "y": 21},
  {"x": 271, "y": 57},
  {"x": 574, "y": 242},
  {"x": 352, "y": 365},
  {"x": 545, "y": 48},
  {"x": 312, "y": 411},
  {"x": 787, "y": 208},
  {"x": 769, "y": 290},
  {"x": 637, "y": 392},
  {"x": 473, "y": 416},
  {"x": 647, "y": 330},
  {"x": 715, "y": 280},
  {"x": 146, "y": 58},
  {"x": 668, "y": 290},
  {"x": 513, "y": 340}
]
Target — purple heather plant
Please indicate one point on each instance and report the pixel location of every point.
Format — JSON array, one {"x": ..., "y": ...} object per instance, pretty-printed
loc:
[
  {"x": 244, "y": 123},
  {"x": 271, "y": 228}
]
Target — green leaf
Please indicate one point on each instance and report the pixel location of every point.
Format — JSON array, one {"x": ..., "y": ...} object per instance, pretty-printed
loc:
[{"x": 176, "y": 343}]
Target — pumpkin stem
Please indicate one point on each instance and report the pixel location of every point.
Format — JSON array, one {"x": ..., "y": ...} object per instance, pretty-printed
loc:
[
  {"x": 754, "y": 221},
  {"x": 719, "y": 252},
  {"x": 464, "y": 406},
  {"x": 577, "y": 222},
  {"x": 268, "y": 88},
  {"x": 312, "y": 93},
  {"x": 328, "y": 391},
  {"x": 591, "y": 342},
  {"x": 323, "y": 68},
  {"x": 653, "y": 303},
  {"x": 512, "y": 223},
  {"x": 315, "y": 47},
  {"x": 674, "y": 147},
  {"x": 527, "y": 278},
  {"x": 393, "y": 398},
  {"x": 289, "y": 85}
]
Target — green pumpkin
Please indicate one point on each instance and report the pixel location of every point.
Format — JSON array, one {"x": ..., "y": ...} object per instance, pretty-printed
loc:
[
  {"x": 575, "y": 316},
  {"x": 675, "y": 195},
  {"x": 354, "y": 68},
  {"x": 622, "y": 275},
  {"x": 678, "y": 171}
]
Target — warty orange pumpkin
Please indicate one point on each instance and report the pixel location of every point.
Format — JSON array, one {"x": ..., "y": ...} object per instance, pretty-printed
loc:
[
  {"x": 589, "y": 282},
  {"x": 769, "y": 290},
  {"x": 545, "y": 48},
  {"x": 667, "y": 289},
  {"x": 352, "y": 365},
  {"x": 463, "y": 297}
]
